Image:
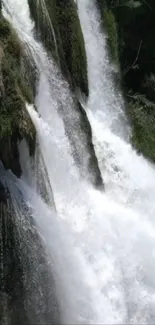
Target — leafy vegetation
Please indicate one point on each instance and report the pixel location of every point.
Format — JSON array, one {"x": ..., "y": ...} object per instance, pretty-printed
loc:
[{"x": 134, "y": 42}]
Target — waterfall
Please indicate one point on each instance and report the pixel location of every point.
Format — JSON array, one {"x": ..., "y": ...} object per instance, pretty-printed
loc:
[
  {"x": 104, "y": 100},
  {"x": 98, "y": 246},
  {"x": 53, "y": 92},
  {"x": 46, "y": 16},
  {"x": 125, "y": 182}
]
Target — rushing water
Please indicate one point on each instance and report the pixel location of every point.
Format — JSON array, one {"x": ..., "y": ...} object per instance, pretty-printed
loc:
[
  {"x": 128, "y": 177},
  {"x": 99, "y": 245}
]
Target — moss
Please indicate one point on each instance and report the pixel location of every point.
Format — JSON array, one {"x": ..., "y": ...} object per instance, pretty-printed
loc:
[
  {"x": 4, "y": 29},
  {"x": 15, "y": 89},
  {"x": 43, "y": 17},
  {"x": 59, "y": 27},
  {"x": 69, "y": 53},
  {"x": 109, "y": 23},
  {"x": 142, "y": 115},
  {"x": 131, "y": 27},
  {"x": 72, "y": 43},
  {"x": 111, "y": 27},
  {"x": 136, "y": 29},
  {"x": 13, "y": 102}
]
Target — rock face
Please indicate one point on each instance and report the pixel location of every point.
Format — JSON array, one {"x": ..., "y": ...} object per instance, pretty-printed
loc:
[
  {"x": 15, "y": 89},
  {"x": 27, "y": 291},
  {"x": 57, "y": 24},
  {"x": 59, "y": 27},
  {"x": 12, "y": 309}
]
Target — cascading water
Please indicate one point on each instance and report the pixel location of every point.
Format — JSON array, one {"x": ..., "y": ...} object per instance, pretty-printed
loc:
[
  {"x": 100, "y": 245},
  {"x": 128, "y": 177},
  {"x": 104, "y": 100},
  {"x": 127, "y": 182},
  {"x": 53, "y": 92}
]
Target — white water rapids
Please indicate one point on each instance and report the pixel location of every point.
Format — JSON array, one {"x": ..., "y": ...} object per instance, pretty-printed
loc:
[{"x": 101, "y": 245}]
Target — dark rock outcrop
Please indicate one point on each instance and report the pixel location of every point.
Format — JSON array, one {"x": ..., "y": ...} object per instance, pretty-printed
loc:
[
  {"x": 58, "y": 25},
  {"x": 27, "y": 289},
  {"x": 15, "y": 89}
]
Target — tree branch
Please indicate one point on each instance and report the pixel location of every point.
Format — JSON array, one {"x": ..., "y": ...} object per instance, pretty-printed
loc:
[{"x": 136, "y": 59}]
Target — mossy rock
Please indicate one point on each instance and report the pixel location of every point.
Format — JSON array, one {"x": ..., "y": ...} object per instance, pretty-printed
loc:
[
  {"x": 111, "y": 28},
  {"x": 66, "y": 44},
  {"x": 142, "y": 115},
  {"x": 15, "y": 90},
  {"x": 110, "y": 25},
  {"x": 59, "y": 27}
]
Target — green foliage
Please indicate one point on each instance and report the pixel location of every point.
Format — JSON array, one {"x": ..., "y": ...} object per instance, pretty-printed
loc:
[
  {"x": 13, "y": 102},
  {"x": 135, "y": 27},
  {"x": 14, "y": 91},
  {"x": 136, "y": 30},
  {"x": 142, "y": 114},
  {"x": 124, "y": 3},
  {"x": 4, "y": 29}
]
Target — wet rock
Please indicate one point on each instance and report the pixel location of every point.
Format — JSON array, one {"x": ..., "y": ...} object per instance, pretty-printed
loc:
[
  {"x": 3, "y": 194},
  {"x": 27, "y": 290}
]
